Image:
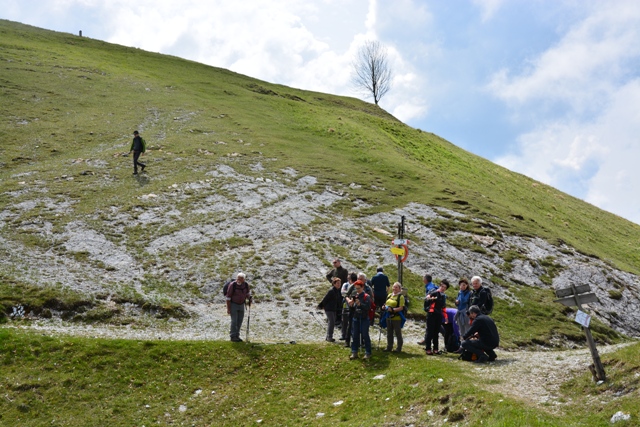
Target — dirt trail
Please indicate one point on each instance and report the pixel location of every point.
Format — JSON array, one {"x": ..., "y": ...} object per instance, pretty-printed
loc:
[{"x": 536, "y": 376}]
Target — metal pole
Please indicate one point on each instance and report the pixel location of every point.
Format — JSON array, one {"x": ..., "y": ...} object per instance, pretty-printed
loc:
[
  {"x": 597, "y": 364},
  {"x": 400, "y": 236},
  {"x": 248, "y": 322}
]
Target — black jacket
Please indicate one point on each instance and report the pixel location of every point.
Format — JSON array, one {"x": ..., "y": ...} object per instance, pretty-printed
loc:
[
  {"x": 486, "y": 329},
  {"x": 332, "y": 301},
  {"x": 479, "y": 298},
  {"x": 340, "y": 272}
]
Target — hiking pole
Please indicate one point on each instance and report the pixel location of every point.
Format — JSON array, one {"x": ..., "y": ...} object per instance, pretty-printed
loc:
[
  {"x": 379, "y": 336},
  {"x": 317, "y": 320},
  {"x": 248, "y": 322}
]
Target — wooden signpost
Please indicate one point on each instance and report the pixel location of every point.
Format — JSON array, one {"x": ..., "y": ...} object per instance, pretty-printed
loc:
[{"x": 578, "y": 295}]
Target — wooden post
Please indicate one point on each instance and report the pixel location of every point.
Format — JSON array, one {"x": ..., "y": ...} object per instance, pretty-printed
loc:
[{"x": 597, "y": 364}]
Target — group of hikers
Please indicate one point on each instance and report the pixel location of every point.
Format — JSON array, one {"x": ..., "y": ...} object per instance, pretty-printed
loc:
[{"x": 353, "y": 301}]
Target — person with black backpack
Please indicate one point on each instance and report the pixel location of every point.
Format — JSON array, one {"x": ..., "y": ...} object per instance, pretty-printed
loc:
[
  {"x": 238, "y": 294},
  {"x": 434, "y": 305},
  {"x": 138, "y": 148},
  {"x": 481, "y": 296}
]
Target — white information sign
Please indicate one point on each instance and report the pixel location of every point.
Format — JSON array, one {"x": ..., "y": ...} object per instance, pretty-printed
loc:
[{"x": 583, "y": 318}]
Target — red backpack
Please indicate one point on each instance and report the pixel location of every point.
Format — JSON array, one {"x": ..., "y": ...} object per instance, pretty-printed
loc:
[{"x": 372, "y": 309}]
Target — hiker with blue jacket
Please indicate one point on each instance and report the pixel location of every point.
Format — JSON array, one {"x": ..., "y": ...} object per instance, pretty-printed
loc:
[
  {"x": 380, "y": 284},
  {"x": 462, "y": 303},
  {"x": 138, "y": 147}
]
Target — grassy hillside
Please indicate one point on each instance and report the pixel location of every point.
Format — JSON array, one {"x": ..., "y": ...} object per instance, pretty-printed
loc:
[
  {"x": 81, "y": 382},
  {"x": 69, "y": 106},
  {"x": 66, "y": 98}
]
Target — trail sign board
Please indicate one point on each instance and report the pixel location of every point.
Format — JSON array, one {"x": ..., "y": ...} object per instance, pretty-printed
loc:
[
  {"x": 582, "y": 299},
  {"x": 398, "y": 251},
  {"x": 583, "y": 318},
  {"x": 580, "y": 289},
  {"x": 578, "y": 295}
]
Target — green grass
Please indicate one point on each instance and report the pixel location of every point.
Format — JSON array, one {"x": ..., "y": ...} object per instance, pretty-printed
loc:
[
  {"x": 69, "y": 106},
  {"x": 86, "y": 382}
]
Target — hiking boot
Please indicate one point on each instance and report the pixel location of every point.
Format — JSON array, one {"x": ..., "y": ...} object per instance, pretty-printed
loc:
[
  {"x": 135, "y": 173},
  {"x": 342, "y": 338},
  {"x": 367, "y": 356},
  {"x": 142, "y": 168},
  {"x": 397, "y": 350},
  {"x": 236, "y": 339},
  {"x": 482, "y": 359},
  {"x": 387, "y": 349},
  {"x": 429, "y": 352},
  {"x": 330, "y": 340},
  {"x": 353, "y": 356},
  {"x": 347, "y": 345},
  {"x": 422, "y": 342}
]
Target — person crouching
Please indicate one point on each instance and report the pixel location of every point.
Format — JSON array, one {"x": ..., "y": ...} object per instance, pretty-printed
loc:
[{"x": 482, "y": 337}]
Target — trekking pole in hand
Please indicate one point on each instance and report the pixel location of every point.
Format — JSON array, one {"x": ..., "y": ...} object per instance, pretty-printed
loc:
[{"x": 248, "y": 321}]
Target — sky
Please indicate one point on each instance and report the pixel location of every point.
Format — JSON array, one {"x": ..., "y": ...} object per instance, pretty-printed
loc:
[{"x": 546, "y": 88}]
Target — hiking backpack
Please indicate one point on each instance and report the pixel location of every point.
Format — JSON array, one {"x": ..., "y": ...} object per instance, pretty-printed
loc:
[
  {"x": 405, "y": 307},
  {"x": 372, "y": 309},
  {"x": 468, "y": 356},
  {"x": 225, "y": 288},
  {"x": 488, "y": 307}
]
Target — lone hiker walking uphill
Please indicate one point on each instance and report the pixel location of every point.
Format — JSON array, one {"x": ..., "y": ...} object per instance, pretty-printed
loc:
[{"x": 138, "y": 147}]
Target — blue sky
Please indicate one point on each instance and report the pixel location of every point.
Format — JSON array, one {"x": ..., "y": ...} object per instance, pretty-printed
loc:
[{"x": 550, "y": 89}]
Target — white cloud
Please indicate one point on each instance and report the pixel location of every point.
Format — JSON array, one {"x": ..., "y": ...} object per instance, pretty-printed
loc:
[
  {"x": 579, "y": 97},
  {"x": 595, "y": 161},
  {"x": 581, "y": 67},
  {"x": 489, "y": 7}
]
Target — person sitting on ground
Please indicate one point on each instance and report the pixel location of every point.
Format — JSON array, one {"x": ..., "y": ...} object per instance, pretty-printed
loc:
[
  {"x": 482, "y": 337},
  {"x": 331, "y": 304},
  {"x": 394, "y": 305},
  {"x": 434, "y": 305},
  {"x": 462, "y": 302},
  {"x": 361, "y": 302}
]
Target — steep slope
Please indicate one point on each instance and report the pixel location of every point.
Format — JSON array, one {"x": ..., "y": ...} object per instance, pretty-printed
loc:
[{"x": 247, "y": 175}]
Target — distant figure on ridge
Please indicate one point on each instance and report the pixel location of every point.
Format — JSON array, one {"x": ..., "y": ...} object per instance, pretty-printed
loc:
[{"x": 138, "y": 147}]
